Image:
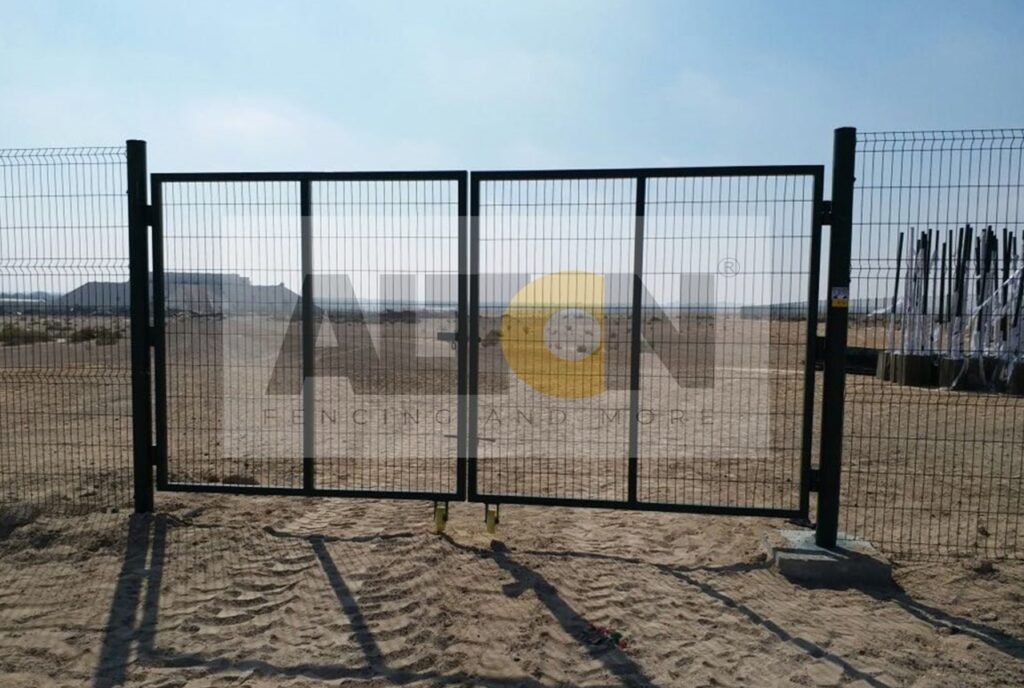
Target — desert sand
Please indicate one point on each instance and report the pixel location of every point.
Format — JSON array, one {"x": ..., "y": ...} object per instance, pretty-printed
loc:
[
  {"x": 291, "y": 591},
  {"x": 231, "y": 591}
]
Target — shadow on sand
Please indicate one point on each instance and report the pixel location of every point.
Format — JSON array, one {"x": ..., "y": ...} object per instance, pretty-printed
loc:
[
  {"x": 133, "y": 617},
  {"x": 143, "y": 569}
]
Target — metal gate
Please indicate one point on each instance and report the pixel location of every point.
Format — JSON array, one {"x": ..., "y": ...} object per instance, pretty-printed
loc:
[
  {"x": 638, "y": 339},
  {"x": 301, "y": 333},
  {"x": 644, "y": 338}
]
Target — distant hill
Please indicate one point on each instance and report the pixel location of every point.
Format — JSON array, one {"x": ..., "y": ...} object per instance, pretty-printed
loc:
[{"x": 191, "y": 292}]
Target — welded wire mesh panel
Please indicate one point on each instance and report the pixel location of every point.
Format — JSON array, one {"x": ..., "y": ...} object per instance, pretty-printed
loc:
[
  {"x": 726, "y": 271},
  {"x": 231, "y": 327},
  {"x": 65, "y": 363},
  {"x": 555, "y": 290},
  {"x": 386, "y": 255},
  {"x": 934, "y": 444}
]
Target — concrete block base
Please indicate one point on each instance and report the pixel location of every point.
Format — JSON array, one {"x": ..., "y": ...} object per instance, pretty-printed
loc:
[
  {"x": 854, "y": 563},
  {"x": 949, "y": 370},
  {"x": 971, "y": 379},
  {"x": 913, "y": 370}
]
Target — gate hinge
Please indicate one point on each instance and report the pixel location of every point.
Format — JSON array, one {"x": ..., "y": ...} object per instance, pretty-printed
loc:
[
  {"x": 825, "y": 216},
  {"x": 151, "y": 336},
  {"x": 150, "y": 215},
  {"x": 451, "y": 337},
  {"x": 813, "y": 480},
  {"x": 153, "y": 456}
]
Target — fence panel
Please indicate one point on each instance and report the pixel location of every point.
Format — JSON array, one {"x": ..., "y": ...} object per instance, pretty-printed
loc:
[
  {"x": 226, "y": 290},
  {"x": 640, "y": 337},
  {"x": 552, "y": 403},
  {"x": 730, "y": 272},
  {"x": 65, "y": 359},
  {"x": 389, "y": 262},
  {"x": 306, "y": 333},
  {"x": 934, "y": 435}
]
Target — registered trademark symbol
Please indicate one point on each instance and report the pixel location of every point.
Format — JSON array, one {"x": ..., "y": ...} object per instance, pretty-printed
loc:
[{"x": 728, "y": 267}]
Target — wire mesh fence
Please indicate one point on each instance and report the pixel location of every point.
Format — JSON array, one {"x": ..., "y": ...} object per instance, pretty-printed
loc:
[
  {"x": 227, "y": 288},
  {"x": 640, "y": 337},
  {"x": 934, "y": 437},
  {"x": 730, "y": 275},
  {"x": 65, "y": 363},
  {"x": 553, "y": 417},
  {"x": 643, "y": 337},
  {"x": 387, "y": 376},
  {"x": 303, "y": 332}
]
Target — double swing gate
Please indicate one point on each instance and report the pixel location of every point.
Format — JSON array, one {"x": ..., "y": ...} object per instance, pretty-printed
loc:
[{"x": 637, "y": 339}]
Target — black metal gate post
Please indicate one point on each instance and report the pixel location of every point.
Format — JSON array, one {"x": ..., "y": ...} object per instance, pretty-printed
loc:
[
  {"x": 636, "y": 340},
  {"x": 138, "y": 278},
  {"x": 473, "y": 339},
  {"x": 308, "y": 340},
  {"x": 462, "y": 340},
  {"x": 843, "y": 163}
]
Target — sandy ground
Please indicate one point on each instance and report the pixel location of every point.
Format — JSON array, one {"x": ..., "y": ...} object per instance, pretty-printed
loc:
[
  {"x": 227, "y": 591},
  {"x": 926, "y": 471},
  {"x": 231, "y": 591}
]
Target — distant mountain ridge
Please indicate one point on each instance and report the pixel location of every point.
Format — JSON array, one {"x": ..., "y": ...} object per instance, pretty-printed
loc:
[
  {"x": 192, "y": 292},
  {"x": 207, "y": 293}
]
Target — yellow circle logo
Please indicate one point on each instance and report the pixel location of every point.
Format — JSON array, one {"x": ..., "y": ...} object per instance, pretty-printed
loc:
[{"x": 552, "y": 334}]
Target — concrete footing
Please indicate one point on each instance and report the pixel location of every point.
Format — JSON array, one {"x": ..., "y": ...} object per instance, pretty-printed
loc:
[
  {"x": 906, "y": 369},
  {"x": 969, "y": 376},
  {"x": 914, "y": 371},
  {"x": 854, "y": 563},
  {"x": 990, "y": 374}
]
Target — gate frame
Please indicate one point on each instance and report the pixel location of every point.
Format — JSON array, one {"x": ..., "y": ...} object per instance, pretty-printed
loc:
[
  {"x": 831, "y": 352},
  {"x": 819, "y": 217},
  {"x": 157, "y": 338}
]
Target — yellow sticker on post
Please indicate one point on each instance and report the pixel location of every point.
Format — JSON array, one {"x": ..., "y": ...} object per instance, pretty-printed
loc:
[{"x": 840, "y": 297}]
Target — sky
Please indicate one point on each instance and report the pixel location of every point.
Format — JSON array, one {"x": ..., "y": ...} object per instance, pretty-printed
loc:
[
  {"x": 458, "y": 85},
  {"x": 313, "y": 85}
]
